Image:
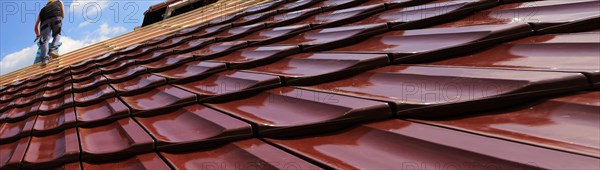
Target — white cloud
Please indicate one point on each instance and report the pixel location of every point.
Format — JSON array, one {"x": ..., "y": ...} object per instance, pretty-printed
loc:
[
  {"x": 70, "y": 44},
  {"x": 25, "y": 57},
  {"x": 18, "y": 60},
  {"x": 104, "y": 32},
  {"x": 84, "y": 23}
]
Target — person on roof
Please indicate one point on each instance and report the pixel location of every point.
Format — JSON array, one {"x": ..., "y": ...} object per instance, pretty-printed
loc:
[{"x": 49, "y": 22}]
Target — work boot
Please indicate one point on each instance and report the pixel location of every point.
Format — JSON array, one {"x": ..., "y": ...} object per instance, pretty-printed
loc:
[
  {"x": 54, "y": 55},
  {"x": 45, "y": 61}
]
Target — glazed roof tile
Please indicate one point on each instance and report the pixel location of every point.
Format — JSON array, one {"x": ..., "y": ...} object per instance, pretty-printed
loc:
[
  {"x": 433, "y": 88},
  {"x": 194, "y": 126},
  {"x": 158, "y": 100},
  {"x": 52, "y": 151},
  {"x": 289, "y": 111},
  {"x": 13, "y": 153},
  {"x": 107, "y": 110},
  {"x": 54, "y": 122},
  {"x": 139, "y": 84},
  {"x": 229, "y": 85},
  {"x": 126, "y": 137},
  {"x": 535, "y": 123},
  {"x": 413, "y": 142},
  {"x": 311, "y": 68},
  {"x": 247, "y": 153}
]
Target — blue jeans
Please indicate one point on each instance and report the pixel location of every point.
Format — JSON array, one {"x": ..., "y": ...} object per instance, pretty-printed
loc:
[{"x": 50, "y": 27}]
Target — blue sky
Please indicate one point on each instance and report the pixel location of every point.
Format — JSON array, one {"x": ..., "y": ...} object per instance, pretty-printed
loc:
[{"x": 86, "y": 22}]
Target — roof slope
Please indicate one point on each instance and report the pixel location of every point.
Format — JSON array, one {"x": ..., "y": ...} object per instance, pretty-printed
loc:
[
  {"x": 201, "y": 15},
  {"x": 332, "y": 84}
]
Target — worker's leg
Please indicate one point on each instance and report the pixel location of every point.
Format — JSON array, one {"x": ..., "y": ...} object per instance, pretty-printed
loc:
[
  {"x": 38, "y": 55},
  {"x": 56, "y": 25},
  {"x": 45, "y": 37}
]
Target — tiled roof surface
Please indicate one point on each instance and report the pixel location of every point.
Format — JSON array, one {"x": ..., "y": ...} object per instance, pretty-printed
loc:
[
  {"x": 321, "y": 84},
  {"x": 125, "y": 42}
]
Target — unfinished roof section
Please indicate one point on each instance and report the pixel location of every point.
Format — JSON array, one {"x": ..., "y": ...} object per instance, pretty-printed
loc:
[{"x": 138, "y": 36}]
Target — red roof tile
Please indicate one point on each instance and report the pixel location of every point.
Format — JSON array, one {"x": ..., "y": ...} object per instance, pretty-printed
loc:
[
  {"x": 270, "y": 35},
  {"x": 311, "y": 68},
  {"x": 194, "y": 127},
  {"x": 158, "y": 99},
  {"x": 11, "y": 154},
  {"x": 290, "y": 111},
  {"x": 251, "y": 153},
  {"x": 143, "y": 161},
  {"x": 237, "y": 32},
  {"x": 546, "y": 53},
  {"x": 56, "y": 104},
  {"x": 194, "y": 44},
  {"x": 10, "y": 132},
  {"x": 120, "y": 139},
  {"x": 406, "y": 144},
  {"x": 108, "y": 110},
  {"x": 230, "y": 85},
  {"x": 256, "y": 56},
  {"x": 264, "y": 7},
  {"x": 433, "y": 43},
  {"x": 192, "y": 70},
  {"x": 139, "y": 84},
  {"x": 54, "y": 122},
  {"x": 51, "y": 151},
  {"x": 549, "y": 123},
  {"x": 63, "y": 82},
  {"x": 58, "y": 91},
  {"x": 17, "y": 114},
  {"x": 90, "y": 83},
  {"x": 218, "y": 49},
  {"x": 328, "y": 38},
  {"x": 91, "y": 96},
  {"x": 442, "y": 90}
]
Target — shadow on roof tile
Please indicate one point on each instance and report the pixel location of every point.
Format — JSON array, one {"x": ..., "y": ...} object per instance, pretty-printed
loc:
[
  {"x": 544, "y": 53},
  {"x": 419, "y": 45},
  {"x": 313, "y": 68},
  {"x": 251, "y": 153},
  {"x": 139, "y": 84},
  {"x": 51, "y": 151},
  {"x": 194, "y": 70},
  {"x": 102, "y": 112},
  {"x": 194, "y": 127},
  {"x": 13, "y": 153},
  {"x": 417, "y": 145},
  {"x": 159, "y": 100},
  {"x": 256, "y": 56},
  {"x": 10, "y": 132},
  {"x": 289, "y": 111},
  {"x": 230, "y": 85},
  {"x": 143, "y": 161},
  {"x": 549, "y": 123},
  {"x": 18, "y": 114},
  {"x": 434, "y": 92},
  {"x": 120, "y": 139},
  {"x": 102, "y": 92},
  {"x": 56, "y": 104},
  {"x": 54, "y": 122}
]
